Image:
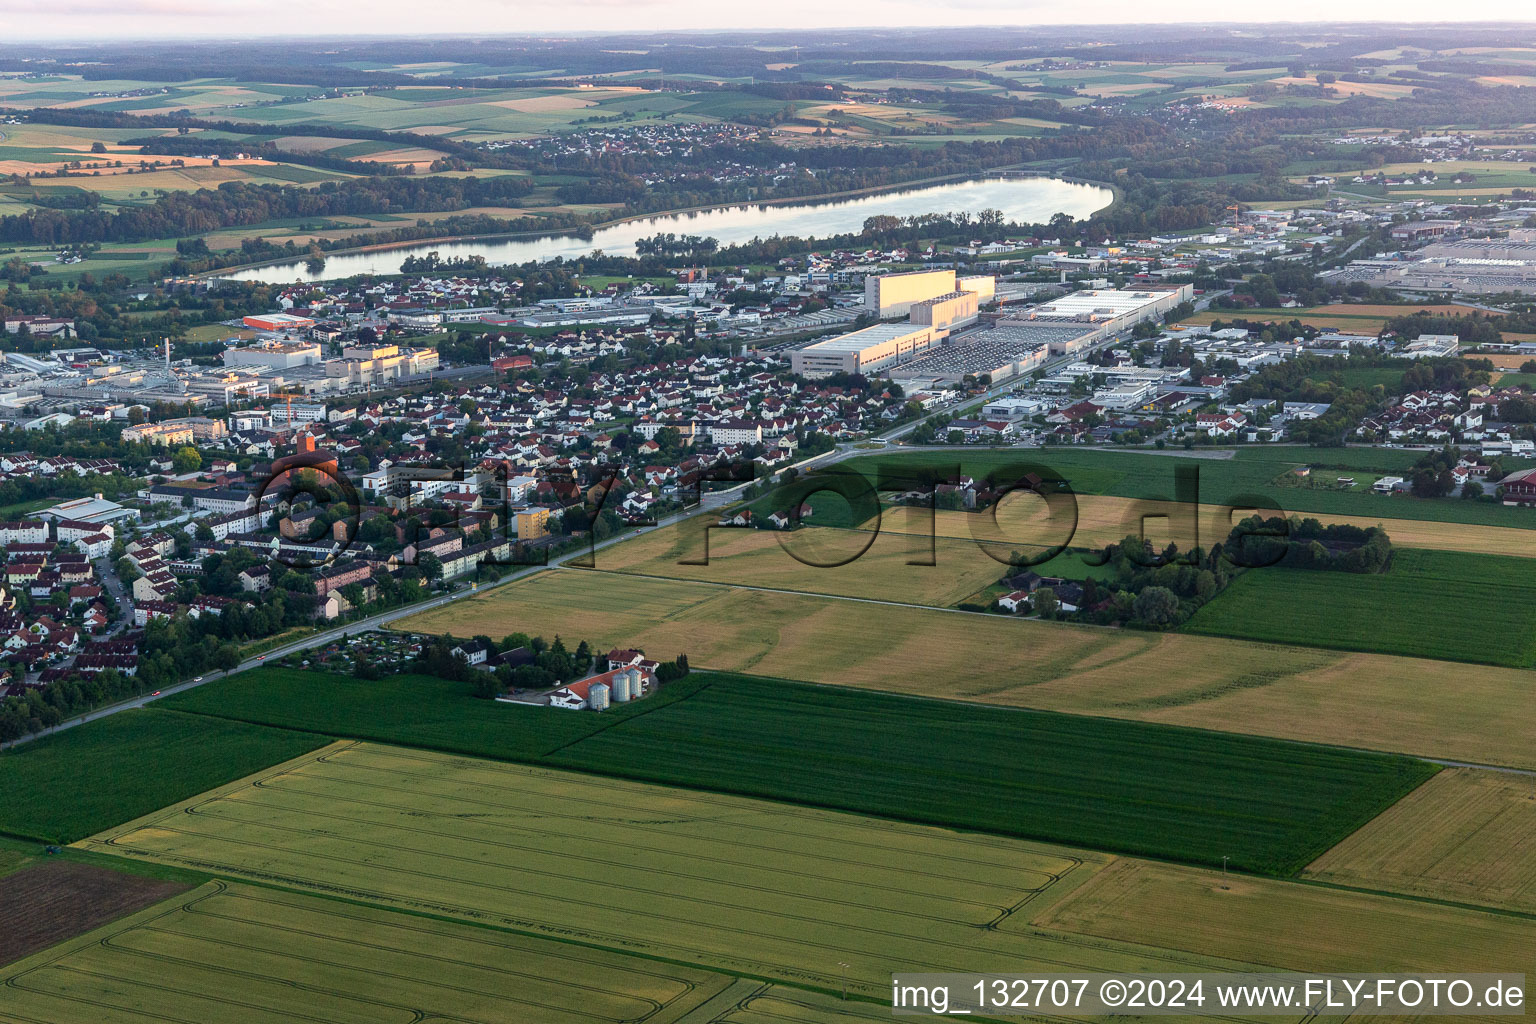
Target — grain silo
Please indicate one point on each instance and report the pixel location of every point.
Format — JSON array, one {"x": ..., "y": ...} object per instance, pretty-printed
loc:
[
  {"x": 621, "y": 687},
  {"x": 597, "y": 697},
  {"x": 636, "y": 683}
]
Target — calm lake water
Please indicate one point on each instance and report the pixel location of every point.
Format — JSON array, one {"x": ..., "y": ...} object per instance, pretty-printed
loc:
[{"x": 1026, "y": 200}]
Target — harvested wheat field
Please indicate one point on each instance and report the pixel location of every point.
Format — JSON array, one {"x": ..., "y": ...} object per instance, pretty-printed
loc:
[
  {"x": 1372, "y": 701},
  {"x": 539, "y": 104},
  {"x": 807, "y": 559},
  {"x": 1468, "y": 835},
  {"x": 1024, "y": 523}
]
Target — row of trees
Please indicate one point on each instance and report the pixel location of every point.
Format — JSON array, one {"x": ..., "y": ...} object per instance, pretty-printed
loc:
[{"x": 239, "y": 204}]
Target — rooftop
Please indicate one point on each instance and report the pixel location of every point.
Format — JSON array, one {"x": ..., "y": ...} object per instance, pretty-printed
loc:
[{"x": 857, "y": 341}]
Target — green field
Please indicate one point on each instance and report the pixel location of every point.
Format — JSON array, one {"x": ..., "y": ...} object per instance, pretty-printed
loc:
[
  {"x": 63, "y": 787},
  {"x": 417, "y": 711},
  {"x": 1432, "y": 604},
  {"x": 1195, "y": 796},
  {"x": 1251, "y": 472},
  {"x": 239, "y": 954},
  {"x": 1113, "y": 785}
]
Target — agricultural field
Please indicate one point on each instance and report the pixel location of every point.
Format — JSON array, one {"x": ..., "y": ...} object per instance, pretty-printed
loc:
[
  {"x": 732, "y": 884},
  {"x": 1176, "y": 794},
  {"x": 201, "y": 96},
  {"x": 1431, "y": 604},
  {"x": 1226, "y": 476},
  {"x": 1105, "y": 520},
  {"x": 1466, "y": 836},
  {"x": 1287, "y": 925},
  {"x": 418, "y": 711},
  {"x": 241, "y": 954},
  {"x": 1370, "y": 701},
  {"x": 904, "y": 757},
  {"x": 1508, "y": 361},
  {"x": 945, "y": 557},
  {"x": 57, "y": 900},
  {"x": 62, "y": 787},
  {"x": 807, "y": 559},
  {"x": 1491, "y": 177},
  {"x": 1348, "y": 317},
  {"x": 431, "y": 108}
]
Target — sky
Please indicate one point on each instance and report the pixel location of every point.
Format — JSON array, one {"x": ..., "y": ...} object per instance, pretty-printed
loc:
[{"x": 159, "y": 19}]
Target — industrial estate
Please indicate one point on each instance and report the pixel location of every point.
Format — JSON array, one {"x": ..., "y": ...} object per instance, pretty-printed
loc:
[{"x": 695, "y": 527}]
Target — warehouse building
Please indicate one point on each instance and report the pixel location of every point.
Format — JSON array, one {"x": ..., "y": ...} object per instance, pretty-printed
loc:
[
  {"x": 277, "y": 355},
  {"x": 865, "y": 351},
  {"x": 985, "y": 288},
  {"x": 947, "y": 312},
  {"x": 999, "y": 353},
  {"x": 892, "y": 295},
  {"x": 889, "y": 295},
  {"x": 279, "y": 322},
  {"x": 1025, "y": 341},
  {"x": 1109, "y": 308}
]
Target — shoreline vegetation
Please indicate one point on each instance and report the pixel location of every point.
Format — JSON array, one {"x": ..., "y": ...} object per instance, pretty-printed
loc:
[{"x": 592, "y": 227}]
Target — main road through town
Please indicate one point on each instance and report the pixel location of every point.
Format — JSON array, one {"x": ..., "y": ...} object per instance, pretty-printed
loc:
[{"x": 383, "y": 619}]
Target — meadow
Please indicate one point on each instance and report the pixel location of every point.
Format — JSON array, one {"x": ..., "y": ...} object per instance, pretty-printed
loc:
[
  {"x": 770, "y": 891},
  {"x": 1467, "y": 835},
  {"x": 1127, "y": 787},
  {"x": 242, "y": 954},
  {"x": 1455, "y": 606},
  {"x": 62, "y": 787},
  {"x": 1372, "y": 701}
]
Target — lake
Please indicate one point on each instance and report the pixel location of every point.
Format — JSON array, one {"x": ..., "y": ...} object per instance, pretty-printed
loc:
[{"x": 1025, "y": 200}]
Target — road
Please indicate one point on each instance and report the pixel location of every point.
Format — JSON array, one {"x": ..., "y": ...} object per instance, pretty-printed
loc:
[
  {"x": 320, "y": 639},
  {"x": 838, "y": 454}
]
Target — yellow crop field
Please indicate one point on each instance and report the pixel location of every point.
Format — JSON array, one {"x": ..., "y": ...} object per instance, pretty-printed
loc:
[
  {"x": 1467, "y": 835},
  {"x": 970, "y": 551},
  {"x": 1388, "y": 310},
  {"x": 731, "y": 884},
  {"x": 1345, "y": 316},
  {"x": 802, "y": 560},
  {"x": 239, "y": 954},
  {"x": 1103, "y": 520},
  {"x": 1501, "y": 360},
  {"x": 537, "y": 104},
  {"x": 742, "y": 885},
  {"x": 1374, "y": 701},
  {"x": 1291, "y": 926}
]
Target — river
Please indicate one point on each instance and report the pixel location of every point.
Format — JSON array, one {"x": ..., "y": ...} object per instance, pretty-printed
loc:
[{"x": 1025, "y": 200}]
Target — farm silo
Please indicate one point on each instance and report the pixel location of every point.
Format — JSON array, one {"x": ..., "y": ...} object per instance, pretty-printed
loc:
[
  {"x": 621, "y": 687},
  {"x": 597, "y": 697}
]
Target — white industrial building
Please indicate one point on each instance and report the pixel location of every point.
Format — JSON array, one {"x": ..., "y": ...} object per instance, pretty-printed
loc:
[
  {"x": 863, "y": 351},
  {"x": 276, "y": 355}
]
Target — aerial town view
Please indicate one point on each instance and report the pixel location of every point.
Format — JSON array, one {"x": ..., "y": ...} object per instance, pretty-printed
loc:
[{"x": 635, "y": 513}]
